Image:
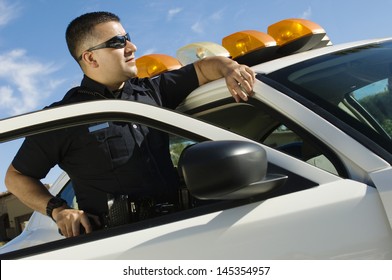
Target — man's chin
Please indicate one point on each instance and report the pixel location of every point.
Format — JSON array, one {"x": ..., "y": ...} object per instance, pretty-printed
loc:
[{"x": 132, "y": 73}]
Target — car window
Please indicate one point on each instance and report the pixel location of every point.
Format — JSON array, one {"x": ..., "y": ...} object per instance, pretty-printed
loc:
[
  {"x": 372, "y": 105},
  {"x": 177, "y": 145},
  {"x": 16, "y": 215},
  {"x": 287, "y": 141},
  {"x": 353, "y": 87},
  {"x": 257, "y": 121}
]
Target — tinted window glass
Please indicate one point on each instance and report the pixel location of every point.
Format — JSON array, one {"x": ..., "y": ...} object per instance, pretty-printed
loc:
[{"x": 354, "y": 85}]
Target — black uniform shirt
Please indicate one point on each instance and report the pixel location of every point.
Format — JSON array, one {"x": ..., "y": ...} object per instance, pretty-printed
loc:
[{"x": 112, "y": 157}]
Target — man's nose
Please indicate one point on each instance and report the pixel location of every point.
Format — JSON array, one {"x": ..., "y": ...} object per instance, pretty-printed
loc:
[{"x": 131, "y": 46}]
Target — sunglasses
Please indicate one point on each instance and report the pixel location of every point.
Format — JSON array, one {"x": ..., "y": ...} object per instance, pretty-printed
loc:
[{"x": 117, "y": 42}]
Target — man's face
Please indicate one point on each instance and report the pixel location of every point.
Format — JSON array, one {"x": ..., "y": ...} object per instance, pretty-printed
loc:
[{"x": 115, "y": 65}]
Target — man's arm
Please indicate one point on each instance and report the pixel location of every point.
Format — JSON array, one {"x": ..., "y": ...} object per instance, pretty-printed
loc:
[
  {"x": 28, "y": 190},
  {"x": 239, "y": 78},
  {"x": 35, "y": 195}
]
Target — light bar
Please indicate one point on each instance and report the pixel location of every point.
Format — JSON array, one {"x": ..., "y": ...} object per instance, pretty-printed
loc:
[
  {"x": 154, "y": 64},
  {"x": 244, "y": 42},
  {"x": 196, "y": 51},
  {"x": 296, "y": 35},
  {"x": 325, "y": 42},
  {"x": 250, "y": 47}
]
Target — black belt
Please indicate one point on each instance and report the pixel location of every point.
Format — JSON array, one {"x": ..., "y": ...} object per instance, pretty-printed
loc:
[{"x": 122, "y": 209}]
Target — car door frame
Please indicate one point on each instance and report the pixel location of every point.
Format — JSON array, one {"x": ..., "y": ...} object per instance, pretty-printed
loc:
[{"x": 156, "y": 117}]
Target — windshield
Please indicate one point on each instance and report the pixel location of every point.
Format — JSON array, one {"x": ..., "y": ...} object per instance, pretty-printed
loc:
[{"x": 354, "y": 85}]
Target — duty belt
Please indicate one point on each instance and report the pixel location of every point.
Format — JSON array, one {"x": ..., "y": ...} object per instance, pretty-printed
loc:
[{"x": 123, "y": 210}]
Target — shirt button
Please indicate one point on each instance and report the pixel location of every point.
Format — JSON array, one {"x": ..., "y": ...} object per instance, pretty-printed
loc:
[{"x": 134, "y": 125}]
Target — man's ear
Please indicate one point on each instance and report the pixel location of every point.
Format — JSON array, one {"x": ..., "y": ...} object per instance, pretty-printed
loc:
[{"x": 89, "y": 59}]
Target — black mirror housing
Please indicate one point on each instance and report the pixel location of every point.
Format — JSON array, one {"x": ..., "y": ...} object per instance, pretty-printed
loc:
[{"x": 227, "y": 170}]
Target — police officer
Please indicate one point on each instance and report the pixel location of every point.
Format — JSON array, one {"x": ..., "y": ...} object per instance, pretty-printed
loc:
[{"x": 111, "y": 159}]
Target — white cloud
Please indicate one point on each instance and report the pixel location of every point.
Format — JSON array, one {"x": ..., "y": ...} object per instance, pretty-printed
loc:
[
  {"x": 24, "y": 82},
  {"x": 307, "y": 13},
  {"x": 149, "y": 51},
  {"x": 6, "y": 96},
  {"x": 217, "y": 15},
  {"x": 200, "y": 25},
  {"x": 173, "y": 12},
  {"x": 8, "y": 12}
]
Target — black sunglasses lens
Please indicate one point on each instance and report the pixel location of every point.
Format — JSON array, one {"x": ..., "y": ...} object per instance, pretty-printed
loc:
[{"x": 118, "y": 42}]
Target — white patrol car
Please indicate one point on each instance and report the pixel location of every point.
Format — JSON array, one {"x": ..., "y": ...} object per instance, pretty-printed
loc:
[{"x": 300, "y": 171}]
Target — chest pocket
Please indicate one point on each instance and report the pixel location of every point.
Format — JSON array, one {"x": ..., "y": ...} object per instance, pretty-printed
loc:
[{"x": 115, "y": 140}]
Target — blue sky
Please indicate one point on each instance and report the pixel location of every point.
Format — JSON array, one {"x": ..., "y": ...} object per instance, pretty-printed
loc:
[{"x": 36, "y": 68}]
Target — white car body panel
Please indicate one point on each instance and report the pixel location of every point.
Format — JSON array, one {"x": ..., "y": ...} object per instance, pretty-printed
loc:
[
  {"x": 382, "y": 180},
  {"x": 273, "y": 229}
]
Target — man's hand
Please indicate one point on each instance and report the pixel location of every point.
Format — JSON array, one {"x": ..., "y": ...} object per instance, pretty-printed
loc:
[
  {"x": 239, "y": 78},
  {"x": 69, "y": 221}
]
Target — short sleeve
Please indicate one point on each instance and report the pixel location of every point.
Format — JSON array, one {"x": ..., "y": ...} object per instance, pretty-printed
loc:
[
  {"x": 38, "y": 154},
  {"x": 176, "y": 85}
]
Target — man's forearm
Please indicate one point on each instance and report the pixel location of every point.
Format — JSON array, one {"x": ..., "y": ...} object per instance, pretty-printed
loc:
[
  {"x": 239, "y": 78},
  {"x": 28, "y": 190},
  {"x": 213, "y": 68}
]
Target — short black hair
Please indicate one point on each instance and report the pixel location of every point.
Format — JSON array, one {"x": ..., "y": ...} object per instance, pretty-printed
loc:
[{"x": 81, "y": 29}]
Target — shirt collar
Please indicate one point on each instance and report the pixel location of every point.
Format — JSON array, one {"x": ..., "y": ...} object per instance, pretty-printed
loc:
[
  {"x": 131, "y": 87},
  {"x": 96, "y": 87}
]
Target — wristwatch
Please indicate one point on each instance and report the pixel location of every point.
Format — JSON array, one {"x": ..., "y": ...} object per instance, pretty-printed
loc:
[{"x": 54, "y": 202}]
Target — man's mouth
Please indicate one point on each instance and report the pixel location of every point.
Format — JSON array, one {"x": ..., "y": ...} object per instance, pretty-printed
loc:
[{"x": 130, "y": 59}]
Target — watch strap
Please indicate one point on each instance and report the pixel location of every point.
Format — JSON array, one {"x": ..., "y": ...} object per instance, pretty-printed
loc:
[{"x": 53, "y": 203}]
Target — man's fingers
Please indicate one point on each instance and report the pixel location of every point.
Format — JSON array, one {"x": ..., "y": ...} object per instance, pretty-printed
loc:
[
  {"x": 242, "y": 86},
  {"x": 251, "y": 74},
  {"x": 84, "y": 221},
  {"x": 70, "y": 220},
  {"x": 238, "y": 94}
]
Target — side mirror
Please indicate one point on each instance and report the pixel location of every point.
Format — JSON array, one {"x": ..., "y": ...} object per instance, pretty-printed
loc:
[{"x": 227, "y": 170}]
